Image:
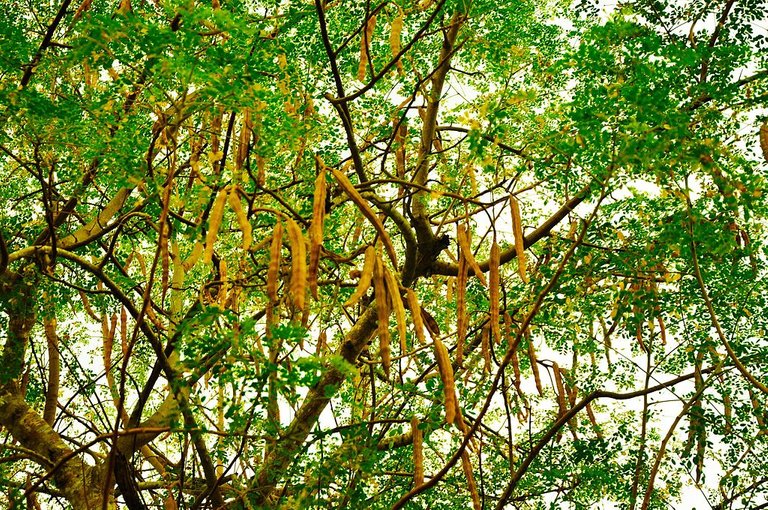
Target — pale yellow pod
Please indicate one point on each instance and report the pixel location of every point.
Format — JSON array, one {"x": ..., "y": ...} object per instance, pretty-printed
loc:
[
  {"x": 382, "y": 310},
  {"x": 418, "y": 452},
  {"x": 471, "y": 484},
  {"x": 494, "y": 294},
  {"x": 461, "y": 309},
  {"x": 534, "y": 366},
  {"x": 298, "y": 263},
  {"x": 316, "y": 228},
  {"x": 398, "y": 307},
  {"x": 214, "y": 223},
  {"x": 194, "y": 256},
  {"x": 365, "y": 43},
  {"x": 485, "y": 344},
  {"x": 366, "y": 276},
  {"x": 273, "y": 270},
  {"x": 449, "y": 385},
  {"x": 418, "y": 322},
  {"x": 396, "y": 28},
  {"x": 462, "y": 237},
  {"x": 242, "y": 220},
  {"x": 561, "y": 392},
  {"x": 352, "y": 193},
  {"x": 517, "y": 228}
]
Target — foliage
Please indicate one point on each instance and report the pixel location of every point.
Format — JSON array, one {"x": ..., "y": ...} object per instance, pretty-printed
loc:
[{"x": 401, "y": 255}]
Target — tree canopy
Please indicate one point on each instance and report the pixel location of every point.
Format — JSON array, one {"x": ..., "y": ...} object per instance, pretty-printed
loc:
[{"x": 434, "y": 254}]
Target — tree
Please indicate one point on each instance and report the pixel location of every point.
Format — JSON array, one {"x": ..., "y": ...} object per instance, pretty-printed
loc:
[{"x": 397, "y": 255}]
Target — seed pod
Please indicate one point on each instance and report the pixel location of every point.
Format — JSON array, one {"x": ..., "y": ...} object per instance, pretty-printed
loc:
[
  {"x": 462, "y": 237},
  {"x": 471, "y": 485},
  {"x": 316, "y": 228},
  {"x": 214, "y": 222},
  {"x": 418, "y": 323},
  {"x": 485, "y": 341},
  {"x": 494, "y": 291},
  {"x": 534, "y": 367},
  {"x": 87, "y": 305},
  {"x": 561, "y": 392},
  {"x": 382, "y": 311},
  {"x": 165, "y": 260},
  {"x": 366, "y": 276},
  {"x": 298, "y": 263},
  {"x": 365, "y": 43},
  {"x": 517, "y": 228},
  {"x": 194, "y": 256},
  {"x": 124, "y": 331},
  {"x": 418, "y": 452},
  {"x": 224, "y": 285},
  {"x": 396, "y": 29},
  {"x": 430, "y": 323},
  {"x": 242, "y": 220},
  {"x": 515, "y": 361},
  {"x": 360, "y": 202},
  {"x": 446, "y": 374},
  {"x": 764, "y": 139},
  {"x": 461, "y": 309},
  {"x": 273, "y": 271},
  {"x": 398, "y": 307},
  {"x": 593, "y": 421}
]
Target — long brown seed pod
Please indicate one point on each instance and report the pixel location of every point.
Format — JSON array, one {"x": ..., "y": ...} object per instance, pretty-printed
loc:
[
  {"x": 418, "y": 322},
  {"x": 494, "y": 291},
  {"x": 316, "y": 228},
  {"x": 214, "y": 222},
  {"x": 449, "y": 385},
  {"x": 418, "y": 452},
  {"x": 298, "y": 263},
  {"x": 360, "y": 202},
  {"x": 517, "y": 228},
  {"x": 534, "y": 367},
  {"x": 382, "y": 311},
  {"x": 398, "y": 307},
  {"x": 465, "y": 247},
  {"x": 273, "y": 270},
  {"x": 242, "y": 219},
  {"x": 366, "y": 276}
]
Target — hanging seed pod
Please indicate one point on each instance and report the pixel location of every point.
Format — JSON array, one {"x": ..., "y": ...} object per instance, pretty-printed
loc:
[
  {"x": 366, "y": 276},
  {"x": 242, "y": 220},
  {"x": 764, "y": 139},
  {"x": 418, "y": 323},
  {"x": 214, "y": 223},
  {"x": 471, "y": 484},
  {"x": 360, "y": 202},
  {"x": 397, "y": 305},
  {"x": 298, "y": 264},
  {"x": 517, "y": 228},
  {"x": 465, "y": 248},
  {"x": 396, "y": 29},
  {"x": 461, "y": 309},
  {"x": 273, "y": 270},
  {"x": 365, "y": 44},
  {"x": 534, "y": 367},
  {"x": 316, "y": 228},
  {"x": 382, "y": 311},
  {"x": 485, "y": 342},
  {"x": 494, "y": 291},
  {"x": 418, "y": 452},
  {"x": 446, "y": 375}
]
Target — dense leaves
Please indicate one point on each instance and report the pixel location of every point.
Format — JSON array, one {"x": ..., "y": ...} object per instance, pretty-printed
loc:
[{"x": 432, "y": 254}]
